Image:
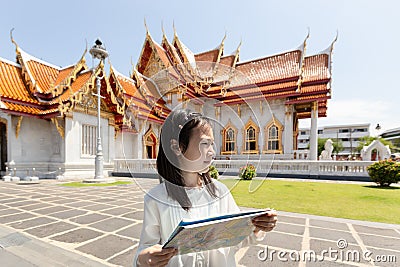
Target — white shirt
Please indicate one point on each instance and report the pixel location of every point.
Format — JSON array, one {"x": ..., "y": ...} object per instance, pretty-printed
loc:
[{"x": 162, "y": 214}]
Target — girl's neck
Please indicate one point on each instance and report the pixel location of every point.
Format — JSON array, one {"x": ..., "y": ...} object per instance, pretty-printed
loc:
[{"x": 191, "y": 179}]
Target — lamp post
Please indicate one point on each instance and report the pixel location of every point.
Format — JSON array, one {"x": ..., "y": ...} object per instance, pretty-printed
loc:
[
  {"x": 99, "y": 52},
  {"x": 377, "y": 128}
]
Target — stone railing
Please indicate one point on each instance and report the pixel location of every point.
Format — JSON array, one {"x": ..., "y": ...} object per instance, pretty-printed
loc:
[{"x": 264, "y": 167}]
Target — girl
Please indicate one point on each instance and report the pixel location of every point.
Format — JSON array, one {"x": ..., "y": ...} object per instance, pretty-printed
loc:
[{"x": 185, "y": 154}]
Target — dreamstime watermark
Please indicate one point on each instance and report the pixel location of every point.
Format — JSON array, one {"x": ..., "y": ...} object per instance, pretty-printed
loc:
[{"x": 340, "y": 253}]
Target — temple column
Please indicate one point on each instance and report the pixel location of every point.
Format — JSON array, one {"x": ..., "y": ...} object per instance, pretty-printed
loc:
[
  {"x": 314, "y": 132},
  {"x": 288, "y": 131}
]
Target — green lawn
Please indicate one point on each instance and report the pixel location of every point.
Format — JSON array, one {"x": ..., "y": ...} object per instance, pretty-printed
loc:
[
  {"x": 81, "y": 184},
  {"x": 352, "y": 201}
]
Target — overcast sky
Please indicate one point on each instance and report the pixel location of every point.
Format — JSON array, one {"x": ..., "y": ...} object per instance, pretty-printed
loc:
[{"x": 366, "y": 59}]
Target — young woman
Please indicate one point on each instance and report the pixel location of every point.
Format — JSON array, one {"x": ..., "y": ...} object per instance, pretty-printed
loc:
[{"x": 184, "y": 156}]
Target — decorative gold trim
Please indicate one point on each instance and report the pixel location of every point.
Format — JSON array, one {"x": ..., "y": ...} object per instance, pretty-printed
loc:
[
  {"x": 249, "y": 124},
  {"x": 18, "y": 126},
  {"x": 278, "y": 124},
  {"x": 228, "y": 126},
  {"x": 71, "y": 77},
  {"x": 59, "y": 128},
  {"x": 150, "y": 133}
]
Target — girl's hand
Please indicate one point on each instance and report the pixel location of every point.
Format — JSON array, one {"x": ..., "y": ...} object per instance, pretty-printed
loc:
[
  {"x": 156, "y": 256},
  {"x": 265, "y": 222}
]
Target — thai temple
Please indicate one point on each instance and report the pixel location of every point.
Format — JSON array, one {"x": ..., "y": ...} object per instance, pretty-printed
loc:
[{"x": 48, "y": 117}]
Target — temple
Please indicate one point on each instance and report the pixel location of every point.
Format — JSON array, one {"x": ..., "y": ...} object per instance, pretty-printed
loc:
[{"x": 48, "y": 119}]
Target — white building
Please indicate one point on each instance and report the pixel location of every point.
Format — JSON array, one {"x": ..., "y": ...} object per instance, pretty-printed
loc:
[{"x": 349, "y": 135}]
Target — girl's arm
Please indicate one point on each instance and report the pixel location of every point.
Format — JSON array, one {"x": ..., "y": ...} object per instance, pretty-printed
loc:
[{"x": 150, "y": 251}]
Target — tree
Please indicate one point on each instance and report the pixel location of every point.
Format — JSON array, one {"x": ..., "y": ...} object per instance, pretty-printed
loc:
[
  {"x": 366, "y": 140},
  {"x": 337, "y": 146}
]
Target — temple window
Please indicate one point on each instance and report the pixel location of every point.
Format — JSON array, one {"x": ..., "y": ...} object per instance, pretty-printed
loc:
[
  {"x": 229, "y": 136},
  {"x": 250, "y": 138},
  {"x": 89, "y": 138},
  {"x": 273, "y": 134}
]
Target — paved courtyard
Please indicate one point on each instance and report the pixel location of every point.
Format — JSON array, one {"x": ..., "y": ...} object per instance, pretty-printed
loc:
[{"x": 50, "y": 225}]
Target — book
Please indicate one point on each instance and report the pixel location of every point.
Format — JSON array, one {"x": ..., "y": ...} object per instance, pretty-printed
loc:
[{"x": 213, "y": 232}]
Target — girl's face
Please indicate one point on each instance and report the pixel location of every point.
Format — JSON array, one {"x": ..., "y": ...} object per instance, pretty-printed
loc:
[{"x": 200, "y": 150}]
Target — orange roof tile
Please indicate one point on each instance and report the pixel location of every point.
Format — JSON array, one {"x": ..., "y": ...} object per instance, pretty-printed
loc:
[
  {"x": 44, "y": 76},
  {"x": 208, "y": 56},
  {"x": 316, "y": 68},
  {"x": 11, "y": 82},
  {"x": 273, "y": 68}
]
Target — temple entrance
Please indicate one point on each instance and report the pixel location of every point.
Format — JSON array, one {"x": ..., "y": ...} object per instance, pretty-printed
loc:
[
  {"x": 150, "y": 144},
  {"x": 3, "y": 147}
]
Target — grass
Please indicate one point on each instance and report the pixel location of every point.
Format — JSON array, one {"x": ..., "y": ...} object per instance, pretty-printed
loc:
[
  {"x": 351, "y": 201},
  {"x": 81, "y": 184}
]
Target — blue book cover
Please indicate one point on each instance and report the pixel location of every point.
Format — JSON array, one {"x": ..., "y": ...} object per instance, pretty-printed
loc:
[{"x": 212, "y": 233}]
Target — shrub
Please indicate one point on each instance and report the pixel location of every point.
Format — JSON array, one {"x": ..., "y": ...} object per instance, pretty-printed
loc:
[
  {"x": 213, "y": 172},
  {"x": 247, "y": 172},
  {"x": 384, "y": 172}
]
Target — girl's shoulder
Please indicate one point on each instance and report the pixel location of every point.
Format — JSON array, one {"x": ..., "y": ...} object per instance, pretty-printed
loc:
[
  {"x": 157, "y": 192},
  {"x": 220, "y": 186}
]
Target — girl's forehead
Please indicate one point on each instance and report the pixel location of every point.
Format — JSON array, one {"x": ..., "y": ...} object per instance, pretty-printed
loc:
[{"x": 203, "y": 131}]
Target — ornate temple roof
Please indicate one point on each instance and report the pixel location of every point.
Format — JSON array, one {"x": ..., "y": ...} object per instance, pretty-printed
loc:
[{"x": 33, "y": 87}]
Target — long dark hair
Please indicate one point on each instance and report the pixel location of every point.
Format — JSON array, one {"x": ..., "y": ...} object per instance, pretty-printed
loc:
[{"x": 179, "y": 125}]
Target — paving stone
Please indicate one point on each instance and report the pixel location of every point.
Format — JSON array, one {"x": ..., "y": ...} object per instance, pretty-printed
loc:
[
  {"x": 37, "y": 206},
  {"x": 111, "y": 224},
  {"x": 125, "y": 259},
  {"x": 22, "y": 203},
  {"x": 289, "y": 228},
  {"x": 107, "y": 246},
  {"x": 50, "y": 229},
  {"x": 79, "y": 204},
  {"x": 376, "y": 231},
  {"x": 255, "y": 256},
  {"x": 137, "y": 206},
  {"x": 64, "y": 201},
  {"x": 51, "y": 210},
  {"x": 384, "y": 258},
  {"x": 132, "y": 231},
  {"x": 116, "y": 211},
  {"x": 349, "y": 254},
  {"x": 32, "y": 223},
  {"x": 98, "y": 207},
  {"x": 16, "y": 217},
  {"x": 89, "y": 218},
  {"x": 332, "y": 235},
  {"x": 136, "y": 215},
  {"x": 67, "y": 214},
  {"x": 9, "y": 211},
  {"x": 381, "y": 242},
  {"x": 329, "y": 225},
  {"x": 282, "y": 240},
  {"x": 12, "y": 200},
  {"x": 294, "y": 220},
  {"x": 77, "y": 236}
]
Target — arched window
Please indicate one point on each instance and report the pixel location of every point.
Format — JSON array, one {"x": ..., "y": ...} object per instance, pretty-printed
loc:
[
  {"x": 230, "y": 140},
  {"x": 273, "y": 134},
  {"x": 273, "y": 140},
  {"x": 250, "y": 144},
  {"x": 229, "y": 137}
]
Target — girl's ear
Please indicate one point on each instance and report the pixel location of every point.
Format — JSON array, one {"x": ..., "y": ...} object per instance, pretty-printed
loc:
[{"x": 175, "y": 147}]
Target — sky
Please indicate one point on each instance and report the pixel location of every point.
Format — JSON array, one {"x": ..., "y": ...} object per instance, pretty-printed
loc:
[{"x": 366, "y": 57}]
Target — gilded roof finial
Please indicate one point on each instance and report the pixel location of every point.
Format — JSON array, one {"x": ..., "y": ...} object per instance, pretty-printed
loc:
[
  {"x": 12, "y": 38},
  {"x": 145, "y": 25},
  {"x": 173, "y": 26}
]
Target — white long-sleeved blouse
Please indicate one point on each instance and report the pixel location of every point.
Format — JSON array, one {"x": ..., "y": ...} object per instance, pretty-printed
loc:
[{"x": 162, "y": 214}]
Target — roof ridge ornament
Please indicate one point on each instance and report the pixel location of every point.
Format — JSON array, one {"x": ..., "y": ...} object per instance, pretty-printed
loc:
[
  {"x": 302, "y": 49},
  {"x": 12, "y": 38},
  {"x": 145, "y": 26}
]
